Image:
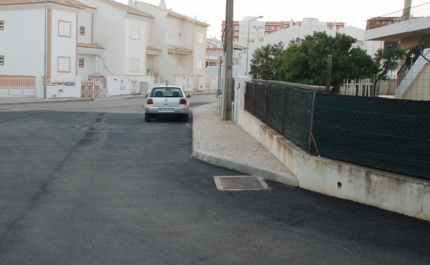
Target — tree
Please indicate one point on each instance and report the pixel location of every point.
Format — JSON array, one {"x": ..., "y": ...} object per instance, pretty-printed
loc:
[
  {"x": 305, "y": 60},
  {"x": 387, "y": 59},
  {"x": 265, "y": 60}
]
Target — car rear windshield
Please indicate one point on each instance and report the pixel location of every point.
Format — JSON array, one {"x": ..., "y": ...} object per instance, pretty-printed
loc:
[{"x": 159, "y": 92}]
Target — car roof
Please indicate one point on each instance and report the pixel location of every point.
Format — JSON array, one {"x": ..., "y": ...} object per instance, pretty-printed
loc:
[{"x": 168, "y": 86}]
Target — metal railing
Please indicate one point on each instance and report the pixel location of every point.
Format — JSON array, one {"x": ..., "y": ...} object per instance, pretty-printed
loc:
[
  {"x": 17, "y": 83},
  {"x": 399, "y": 16},
  {"x": 18, "y": 86},
  {"x": 412, "y": 57}
]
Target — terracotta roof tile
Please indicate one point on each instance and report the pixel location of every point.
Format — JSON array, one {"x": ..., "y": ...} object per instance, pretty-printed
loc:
[
  {"x": 129, "y": 9},
  {"x": 71, "y": 3},
  {"x": 152, "y": 48}
]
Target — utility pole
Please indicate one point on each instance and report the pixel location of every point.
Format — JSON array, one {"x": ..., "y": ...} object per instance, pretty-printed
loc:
[
  {"x": 407, "y": 10},
  {"x": 228, "y": 88}
]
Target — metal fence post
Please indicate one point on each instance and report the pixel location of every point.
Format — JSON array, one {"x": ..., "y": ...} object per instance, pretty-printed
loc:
[
  {"x": 328, "y": 76},
  {"x": 265, "y": 103},
  {"x": 283, "y": 111},
  {"x": 253, "y": 99},
  {"x": 311, "y": 127}
]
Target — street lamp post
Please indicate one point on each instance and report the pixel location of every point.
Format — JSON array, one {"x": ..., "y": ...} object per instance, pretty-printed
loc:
[
  {"x": 44, "y": 56},
  {"x": 247, "y": 43}
]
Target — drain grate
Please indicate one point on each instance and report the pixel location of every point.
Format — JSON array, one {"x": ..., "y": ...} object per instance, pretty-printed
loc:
[{"x": 238, "y": 183}]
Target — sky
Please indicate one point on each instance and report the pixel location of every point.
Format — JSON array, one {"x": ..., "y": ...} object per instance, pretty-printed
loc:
[{"x": 353, "y": 12}]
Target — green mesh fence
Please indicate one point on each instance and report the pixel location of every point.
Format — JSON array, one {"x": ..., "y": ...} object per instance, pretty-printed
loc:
[
  {"x": 386, "y": 134},
  {"x": 285, "y": 109},
  {"x": 391, "y": 135}
]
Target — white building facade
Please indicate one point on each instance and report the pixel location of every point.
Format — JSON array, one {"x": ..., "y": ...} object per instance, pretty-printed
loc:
[
  {"x": 29, "y": 56},
  {"x": 176, "y": 47},
  {"x": 97, "y": 47}
]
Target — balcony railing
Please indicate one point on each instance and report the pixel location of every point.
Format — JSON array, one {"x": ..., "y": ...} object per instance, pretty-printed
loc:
[{"x": 399, "y": 16}]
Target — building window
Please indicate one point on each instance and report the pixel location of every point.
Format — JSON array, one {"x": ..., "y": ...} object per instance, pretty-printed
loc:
[
  {"x": 81, "y": 62},
  {"x": 1, "y": 24},
  {"x": 135, "y": 33},
  {"x": 64, "y": 64},
  {"x": 64, "y": 28},
  {"x": 82, "y": 30},
  {"x": 134, "y": 65},
  {"x": 200, "y": 37},
  {"x": 199, "y": 64},
  {"x": 1, "y": 59}
]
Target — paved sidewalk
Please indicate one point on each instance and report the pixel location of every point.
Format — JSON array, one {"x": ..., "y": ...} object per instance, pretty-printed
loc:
[{"x": 226, "y": 144}]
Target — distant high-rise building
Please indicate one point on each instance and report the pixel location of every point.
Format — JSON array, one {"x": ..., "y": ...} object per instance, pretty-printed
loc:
[{"x": 258, "y": 29}]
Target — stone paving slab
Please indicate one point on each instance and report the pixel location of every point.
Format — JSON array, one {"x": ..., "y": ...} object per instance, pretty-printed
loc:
[{"x": 226, "y": 144}]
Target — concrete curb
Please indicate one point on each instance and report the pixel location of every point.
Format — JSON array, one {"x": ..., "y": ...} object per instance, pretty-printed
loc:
[
  {"x": 201, "y": 93},
  {"x": 247, "y": 169},
  {"x": 290, "y": 180},
  {"x": 46, "y": 101}
]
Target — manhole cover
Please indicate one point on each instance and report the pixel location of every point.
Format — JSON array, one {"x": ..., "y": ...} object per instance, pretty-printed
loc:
[{"x": 237, "y": 183}]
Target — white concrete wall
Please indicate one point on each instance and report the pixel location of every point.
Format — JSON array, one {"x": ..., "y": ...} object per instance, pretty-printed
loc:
[
  {"x": 371, "y": 47},
  {"x": 118, "y": 85},
  {"x": 381, "y": 189},
  {"x": 22, "y": 41},
  {"x": 401, "y": 29},
  {"x": 200, "y": 54},
  {"x": 134, "y": 48},
  {"x": 144, "y": 85},
  {"x": 189, "y": 36},
  {"x": 109, "y": 33},
  {"x": 62, "y": 91},
  {"x": 416, "y": 81},
  {"x": 85, "y": 19},
  {"x": 24, "y": 92},
  {"x": 89, "y": 65},
  {"x": 63, "y": 46},
  {"x": 186, "y": 82}
]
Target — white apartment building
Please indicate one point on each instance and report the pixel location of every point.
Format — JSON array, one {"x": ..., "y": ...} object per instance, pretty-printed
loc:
[
  {"x": 116, "y": 49},
  {"x": 96, "y": 47},
  {"x": 214, "y": 51},
  {"x": 26, "y": 56},
  {"x": 176, "y": 47}
]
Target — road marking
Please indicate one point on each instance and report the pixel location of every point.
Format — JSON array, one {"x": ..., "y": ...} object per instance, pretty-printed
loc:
[{"x": 240, "y": 183}]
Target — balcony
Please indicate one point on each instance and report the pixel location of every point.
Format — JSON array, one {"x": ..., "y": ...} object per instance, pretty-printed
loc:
[
  {"x": 405, "y": 23},
  {"x": 399, "y": 16}
]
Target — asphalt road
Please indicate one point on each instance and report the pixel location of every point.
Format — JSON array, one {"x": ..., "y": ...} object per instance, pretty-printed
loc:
[{"x": 92, "y": 183}]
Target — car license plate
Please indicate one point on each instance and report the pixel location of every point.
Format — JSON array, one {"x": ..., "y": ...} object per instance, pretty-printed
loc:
[{"x": 166, "y": 110}]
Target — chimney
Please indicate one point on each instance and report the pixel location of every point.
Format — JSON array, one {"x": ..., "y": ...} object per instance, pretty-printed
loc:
[{"x": 162, "y": 4}]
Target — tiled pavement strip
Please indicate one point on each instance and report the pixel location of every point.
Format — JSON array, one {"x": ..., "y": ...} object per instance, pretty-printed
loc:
[{"x": 226, "y": 144}]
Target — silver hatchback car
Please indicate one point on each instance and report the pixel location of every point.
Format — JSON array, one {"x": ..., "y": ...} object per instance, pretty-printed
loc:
[{"x": 167, "y": 101}]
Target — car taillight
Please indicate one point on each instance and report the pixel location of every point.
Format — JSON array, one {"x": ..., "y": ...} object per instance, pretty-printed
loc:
[
  {"x": 149, "y": 102},
  {"x": 183, "y": 101}
]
